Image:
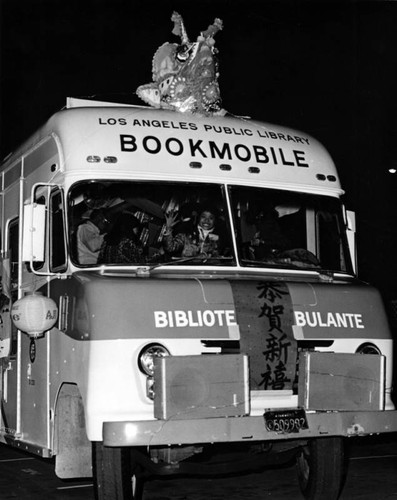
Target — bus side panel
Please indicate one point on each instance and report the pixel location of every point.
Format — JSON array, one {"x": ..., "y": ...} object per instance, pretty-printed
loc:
[{"x": 34, "y": 389}]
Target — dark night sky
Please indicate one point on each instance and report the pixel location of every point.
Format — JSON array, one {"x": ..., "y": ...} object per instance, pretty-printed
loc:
[{"x": 327, "y": 68}]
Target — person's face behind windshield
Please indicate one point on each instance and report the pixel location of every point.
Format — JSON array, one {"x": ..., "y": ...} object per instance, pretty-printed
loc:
[{"x": 207, "y": 220}]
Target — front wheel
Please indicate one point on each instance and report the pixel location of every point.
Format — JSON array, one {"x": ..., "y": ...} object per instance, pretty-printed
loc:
[
  {"x": 116, "y": 475},
  {"x": 321, "y": 468}
]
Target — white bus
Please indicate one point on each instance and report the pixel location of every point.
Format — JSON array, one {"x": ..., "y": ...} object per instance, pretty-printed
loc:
[{"x": 171, "y": 341}]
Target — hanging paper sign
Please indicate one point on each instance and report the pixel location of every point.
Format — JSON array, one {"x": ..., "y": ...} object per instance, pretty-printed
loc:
[{"x": 264, "y": 315}]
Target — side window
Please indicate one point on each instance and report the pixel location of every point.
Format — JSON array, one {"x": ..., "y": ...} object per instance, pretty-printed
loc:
[
  {"x": 13, "y": 251},
  {"x": 57, "y": 232},
  {"x": 13, "y": 248},
  {"x": 38, "y": 265},
  {"x": 330, "y": 242}
]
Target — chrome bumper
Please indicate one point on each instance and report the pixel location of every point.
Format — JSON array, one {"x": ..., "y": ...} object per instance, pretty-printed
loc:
[{"x": 238, "y": 429}]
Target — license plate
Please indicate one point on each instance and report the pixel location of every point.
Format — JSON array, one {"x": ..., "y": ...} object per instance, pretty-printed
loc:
[{"x": 285, "y": 421}]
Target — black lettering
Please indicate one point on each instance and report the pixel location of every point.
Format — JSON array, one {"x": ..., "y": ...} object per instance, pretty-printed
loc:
[
  {"x": 128, "y": 143},
  {"x": 237, "y": 149},
  {"x": 274, "y": 156},
  {"x": 193, "y": 126},
  {"x": 207, "y": 127},
  {"x": 283, "y": 160},
  {"x": 156, "y": 123},
  {"x": 262, "y": 134},
  {"x": 146, "y": 123},
  {"x": 166, "y": 124},
  {"x": 300, "y": 158},
  {"x": 49, "y": 315},
  {"x": 179, "y": 144},
  {"x": 216, "y": 152},
  {"x": 136, "y": 122},
  {"x": 157, "y": 147},
  {"x": 261, "y": 154},
  {"x": 101, "y": 122},
  {"x": 122, "y": 121},
  {"x": 195, "y": 146}
]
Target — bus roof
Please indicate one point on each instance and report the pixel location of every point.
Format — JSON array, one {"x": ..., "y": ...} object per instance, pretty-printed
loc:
[{"x": 140, "y": 142}]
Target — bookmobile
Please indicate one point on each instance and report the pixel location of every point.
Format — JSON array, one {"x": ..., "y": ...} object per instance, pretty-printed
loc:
[{"x": 268, "y": 350}]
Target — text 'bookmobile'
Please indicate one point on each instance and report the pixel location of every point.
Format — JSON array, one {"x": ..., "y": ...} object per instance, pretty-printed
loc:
[{"x": 264, "y": 342}]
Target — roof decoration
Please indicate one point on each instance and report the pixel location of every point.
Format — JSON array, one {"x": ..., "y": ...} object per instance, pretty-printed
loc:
[{"x": 185, "y": 75}]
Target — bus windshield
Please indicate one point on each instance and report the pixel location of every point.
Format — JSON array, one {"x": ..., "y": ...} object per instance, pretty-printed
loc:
[
  {"x": 148, "y": 223},
  {"x": 288, "y": 229}
]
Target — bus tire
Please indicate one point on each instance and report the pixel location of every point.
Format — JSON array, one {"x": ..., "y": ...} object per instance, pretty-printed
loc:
[
  {"x": 321, "y": 468},
  {"x": 116, "y": 476}
]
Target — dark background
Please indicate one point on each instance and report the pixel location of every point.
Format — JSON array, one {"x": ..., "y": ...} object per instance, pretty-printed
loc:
[{"x": 327, "y": 68}]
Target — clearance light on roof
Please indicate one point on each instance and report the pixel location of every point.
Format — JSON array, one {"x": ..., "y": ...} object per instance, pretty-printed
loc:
[
  {"x": 322, "y": 177},
  {"x": 195, "y": 164},
  {"x": 225, "y": 166},
  {"x": 93, "y": 159},
  {"x": 253, "y": 170},
  {"x": 110, "y": 159}
]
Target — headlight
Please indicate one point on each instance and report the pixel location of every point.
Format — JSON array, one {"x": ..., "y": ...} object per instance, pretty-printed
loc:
[
  {"x": 147, "y": 355},
  {"x": 368, "y": 348}
]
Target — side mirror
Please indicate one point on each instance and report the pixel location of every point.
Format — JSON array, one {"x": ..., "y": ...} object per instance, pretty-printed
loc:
[{"x": 34, "y": 218}]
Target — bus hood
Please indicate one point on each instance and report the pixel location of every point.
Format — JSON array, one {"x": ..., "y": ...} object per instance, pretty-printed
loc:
[
  {"x": 120, "y": 307},
  {"x": 263, "y": 319}
]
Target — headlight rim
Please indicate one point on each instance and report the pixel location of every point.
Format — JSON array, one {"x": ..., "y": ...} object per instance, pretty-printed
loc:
[{"x": 154, "y": 346}]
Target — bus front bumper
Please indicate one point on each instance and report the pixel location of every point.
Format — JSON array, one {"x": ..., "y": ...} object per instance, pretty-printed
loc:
[{"x": 239, "y": 429}]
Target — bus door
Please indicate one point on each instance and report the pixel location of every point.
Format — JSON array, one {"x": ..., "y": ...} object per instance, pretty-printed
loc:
[
  {"x": 10, "y": 337},
  {"x": 36, "y": 352}
]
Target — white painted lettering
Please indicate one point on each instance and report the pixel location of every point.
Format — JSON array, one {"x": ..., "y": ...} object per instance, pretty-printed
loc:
[
  {"x": 160, "y": 319},
  {"x": 314, "y": 319},
  {"x": 300, "y": 318},
  {"x": 359, "y": 321},
  {"x": 341, "y": 320},
  {"x": 191, "y": 320},
  {"x": 219, "y": 315},
  {"x": 331, "y": 320},
  {"x": 209, "y": 318},
  {"x": 180, "y": 319},
  {"x": 230, "y": 318},
  {"x": 194, "y": 319},
  {"x": 311, "y": 322}
]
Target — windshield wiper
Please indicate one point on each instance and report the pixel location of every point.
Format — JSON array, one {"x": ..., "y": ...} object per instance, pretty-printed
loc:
[
  {"x": 202, "y": 259},
  {"x": 281, "y": 263}
]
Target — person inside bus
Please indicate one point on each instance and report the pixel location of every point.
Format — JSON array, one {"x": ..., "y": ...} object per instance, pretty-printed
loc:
[
  {"x": 268, "y": 238},
  {"x": 201, "y": 238},
  {"x": 122, "y": 244},
  {"x": 90, "y": 236},
  {"x": 272, "y": 243}
]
